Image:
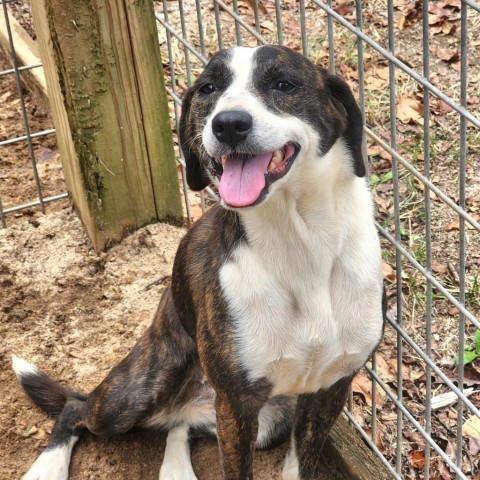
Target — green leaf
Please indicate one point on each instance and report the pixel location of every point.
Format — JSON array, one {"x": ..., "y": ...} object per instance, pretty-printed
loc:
[
  {"x": 374, "y": 180},
  {"x": 477, "y": 341},
  {"x": 468, "y": 357},
  {"x": 388, "y": 176}
]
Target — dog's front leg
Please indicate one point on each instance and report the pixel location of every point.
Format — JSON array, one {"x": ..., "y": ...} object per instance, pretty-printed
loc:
[
  {"x": 316, "y": 413},
  {"x": 237, "y": 425}
]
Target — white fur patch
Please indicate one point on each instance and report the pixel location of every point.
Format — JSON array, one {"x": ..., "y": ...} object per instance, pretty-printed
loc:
[
  {"x": 290, "y": 469},
  {"x": 199, "y": 412},
  {"x": 23, "y": 368},
  {"x": 176, "y": 461},
  {"x": 52, "y": 464}
]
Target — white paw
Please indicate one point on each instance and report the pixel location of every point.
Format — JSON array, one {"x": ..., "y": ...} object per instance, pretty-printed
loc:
[
  {"x": 176, "y": 471},
  {"x": 50, "y": 465},
  {"x": 176, "y": 461},
  {"x": 290, "y": 469}
]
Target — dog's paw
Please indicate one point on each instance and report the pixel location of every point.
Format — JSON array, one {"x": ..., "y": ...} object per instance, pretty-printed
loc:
[
  {"x": 290, "y": 469},
  {"x": 50, "y": 465},
  {"x": 176, "y": 471}
]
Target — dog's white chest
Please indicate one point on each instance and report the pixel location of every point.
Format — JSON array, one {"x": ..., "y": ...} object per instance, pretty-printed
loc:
[{"x": 300, "y": 322}]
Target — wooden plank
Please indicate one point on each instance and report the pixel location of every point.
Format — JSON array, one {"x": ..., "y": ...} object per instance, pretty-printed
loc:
[
  {"x": 151, "y": 88},
  {"x": 94, "y": 85},
  {"x": 26, "y": 51},
  {"x": 346, "y": 456}
]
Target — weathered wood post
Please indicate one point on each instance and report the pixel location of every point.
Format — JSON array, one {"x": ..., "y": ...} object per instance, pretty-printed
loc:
[{"x": 108, "y": 100}]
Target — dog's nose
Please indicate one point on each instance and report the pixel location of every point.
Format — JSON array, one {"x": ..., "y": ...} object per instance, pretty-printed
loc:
[{"x": 232, "y": 126}]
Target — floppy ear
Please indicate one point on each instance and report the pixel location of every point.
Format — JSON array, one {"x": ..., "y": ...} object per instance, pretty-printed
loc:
[
  {"x": 197, "y": 176},
  {"x": 353, "y": 133}
]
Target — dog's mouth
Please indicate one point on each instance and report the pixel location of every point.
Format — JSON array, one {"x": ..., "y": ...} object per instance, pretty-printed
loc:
[{"x": 245, "y": 178}]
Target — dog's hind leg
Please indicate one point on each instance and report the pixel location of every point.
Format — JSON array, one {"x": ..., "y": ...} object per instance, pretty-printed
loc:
[
  {"x": 144, "y": 382},
  {"x": 147, "y": 380},
  {"x": 67, "y": 406}
]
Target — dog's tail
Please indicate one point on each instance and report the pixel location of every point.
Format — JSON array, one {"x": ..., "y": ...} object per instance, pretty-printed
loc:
[{"x": 48, "y": 394}]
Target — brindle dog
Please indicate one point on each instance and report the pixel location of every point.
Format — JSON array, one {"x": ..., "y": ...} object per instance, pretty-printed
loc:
[{"x": 276, "y": 294}]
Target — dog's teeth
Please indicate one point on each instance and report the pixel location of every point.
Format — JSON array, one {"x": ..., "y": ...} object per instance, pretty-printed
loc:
[
  {"x": 223, "y": 159},
  {"x": 271, "y": 166},
  {"x": 277, "y": 156}
]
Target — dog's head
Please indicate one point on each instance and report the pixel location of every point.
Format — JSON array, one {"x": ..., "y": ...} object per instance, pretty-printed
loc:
[{"x": 254, "y": 114}]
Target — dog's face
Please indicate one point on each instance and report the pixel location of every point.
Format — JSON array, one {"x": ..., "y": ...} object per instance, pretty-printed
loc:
[{"x": 255, "y": 114}]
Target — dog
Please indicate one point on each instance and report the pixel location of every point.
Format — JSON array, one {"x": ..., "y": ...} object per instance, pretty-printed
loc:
[{"x": 276, "y": 297}]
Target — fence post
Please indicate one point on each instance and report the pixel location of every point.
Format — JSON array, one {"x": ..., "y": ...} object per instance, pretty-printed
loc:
[{"x": 106, "y": 89}]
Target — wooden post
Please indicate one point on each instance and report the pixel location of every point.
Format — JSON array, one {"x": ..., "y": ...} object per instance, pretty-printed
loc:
[{"x": 108, "y": 100}]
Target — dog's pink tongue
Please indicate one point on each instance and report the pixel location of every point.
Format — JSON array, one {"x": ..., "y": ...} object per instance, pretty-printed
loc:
[{"x": 243, "y": 179}]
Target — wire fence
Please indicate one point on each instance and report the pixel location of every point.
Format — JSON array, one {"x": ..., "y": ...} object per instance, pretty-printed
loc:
[
  {"x": 321, "y": 31},
  {"x": 29, "y": 136},
  {"x": 416, "y": 70}
]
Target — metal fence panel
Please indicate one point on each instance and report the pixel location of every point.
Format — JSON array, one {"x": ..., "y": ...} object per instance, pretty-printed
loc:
[{"x": 243, "y": 23}]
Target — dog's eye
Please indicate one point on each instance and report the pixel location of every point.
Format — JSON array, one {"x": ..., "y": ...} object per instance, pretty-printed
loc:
[
  {"x": 284, "y": 86},
  {"x": 208, "y": 88}
]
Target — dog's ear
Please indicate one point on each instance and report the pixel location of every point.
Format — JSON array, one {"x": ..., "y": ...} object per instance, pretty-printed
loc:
[
  {"x": 197, "y": 176},
  {"x": 353, "y": 133}
]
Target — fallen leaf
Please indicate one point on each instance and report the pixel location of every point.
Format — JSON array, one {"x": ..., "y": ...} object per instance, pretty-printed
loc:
[
  {"x": 344, "y": 9},
  {"x": 453, "y": 311},
  {"x": 450, "y": 450},
  {"x": 445, "y": 54},
  {"x": 443, "y": 470},
  {"x": 268, "y": 25},
  {"x": 261, "y": 5},
  {"x": 74, "y": 352},
  {"x": 448, "y": 398},
  {"x": 438, "y": 267},
  {"x": 410, "y": 110},
  {"x": 384, "y": 369},
  {"x": 40, "y": 434},
  {"x": 383, "y": 72},
  {"x": 443, "y": 108},
  {"x": 388, "y": 272},
  {"x": 363, "y": 385},
  {"x": 456, "y": 224},
  {"x": 416, "y": 437},
  {"x": 416, "y": 458},
  {"x": 453, "y": 4},
  {"x": 473, "y": 446},
  {"x": 32, "y": 431},
  {"x": 472, "y": 427},
  {"x": 383, "y": 204},
  {"x": 378, "y": 438}
]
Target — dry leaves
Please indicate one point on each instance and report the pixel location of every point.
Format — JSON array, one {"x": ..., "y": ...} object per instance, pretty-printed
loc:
[
  {"x": 456, "y": 224},
  {"x": 441, "y": 16},
  {"x": 471, "y": 429},
  {"x": 388, "y": 272},
  {"x": 410, "y": 110},
  {"x": 449, "y": 55},
  {"x": 363, "y": 385},
  {"x": 410, "y": 12},
  {"x": 439, "y": 267}
]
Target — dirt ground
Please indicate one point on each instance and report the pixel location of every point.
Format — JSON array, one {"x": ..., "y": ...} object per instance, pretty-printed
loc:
[{"x": 75, "y": 315}]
